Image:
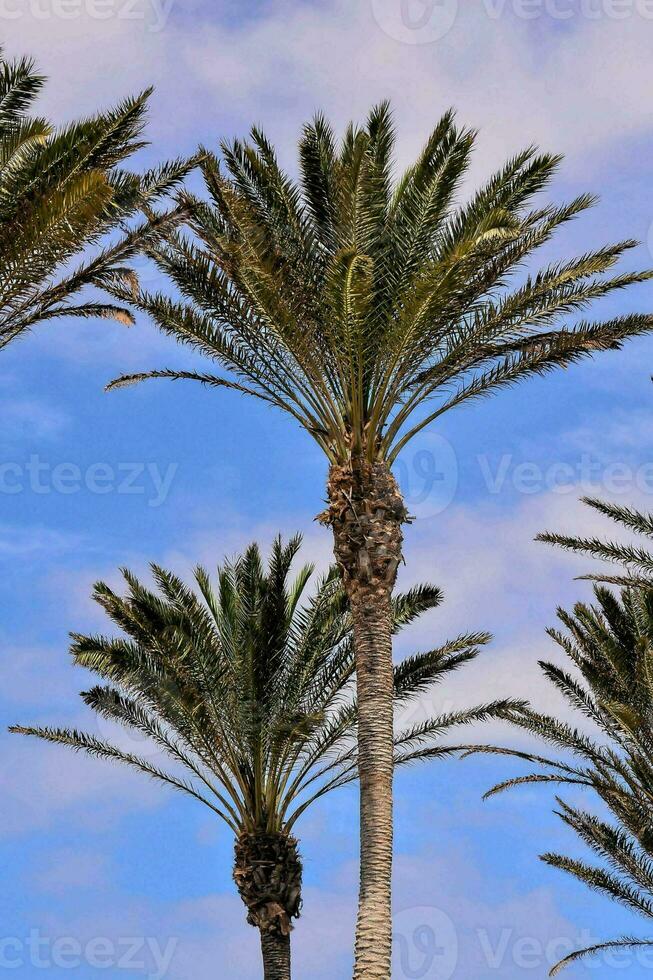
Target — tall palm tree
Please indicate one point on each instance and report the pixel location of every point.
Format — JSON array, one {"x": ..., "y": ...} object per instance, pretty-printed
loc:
[
  {"x": 366, "y": 307},
  {"x": 62, "y": 191},
  {"x": 250, "y": 692},
  {"x": 610, "y": 644}
]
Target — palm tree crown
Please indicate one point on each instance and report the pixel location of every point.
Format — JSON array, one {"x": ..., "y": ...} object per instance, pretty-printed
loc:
[
  {"x": 250, "y": 692},
  {"x": 352, "y": 300},
  {"x": 365, "y": 307},
  {"x": 61, "y": 192},
  {"x": 610, "y": 645}
]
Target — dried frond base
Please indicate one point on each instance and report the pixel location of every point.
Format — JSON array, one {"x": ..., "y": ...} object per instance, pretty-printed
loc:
[
  {"x": 268, "y": 875},
  {"x": 366, "y": 512}
]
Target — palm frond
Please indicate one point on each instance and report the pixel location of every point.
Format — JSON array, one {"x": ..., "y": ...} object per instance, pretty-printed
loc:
[
  {"x": 367, "y": 305},
  {"x": 246, "y": 683},
  {"x": 62, "y": 193},
  {"x": 610, "y": 646},
  {"x": 626, "y": 942}
]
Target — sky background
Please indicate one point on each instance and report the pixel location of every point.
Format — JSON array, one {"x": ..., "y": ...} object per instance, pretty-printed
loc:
[{"x": 101, "y": 860}]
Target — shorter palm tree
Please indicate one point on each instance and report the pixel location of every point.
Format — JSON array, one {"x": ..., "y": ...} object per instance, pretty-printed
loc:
[
  {"x": 250, "y": 692},
  {"x": 62, "y": 193},
  {"x": 610, "y": 643}
]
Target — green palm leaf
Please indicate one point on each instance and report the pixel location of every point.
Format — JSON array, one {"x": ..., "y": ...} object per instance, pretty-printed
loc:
[
  {"x": 62, "y": 193},
  {"x": 610, "y": 646},
  {"x": 359, "y": 298}
]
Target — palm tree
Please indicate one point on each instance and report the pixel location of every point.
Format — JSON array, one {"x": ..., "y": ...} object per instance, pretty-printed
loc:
[
  {"x": 250, "y": 692},
  {"x": 636, "y": 561},
  {"x": 61, "y": 193},
  {"x": 366, "y": 307},
  {"x": 610, "y": 644}
]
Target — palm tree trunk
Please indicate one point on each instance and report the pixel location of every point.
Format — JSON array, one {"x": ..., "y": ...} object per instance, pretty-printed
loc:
[
  {"x": 276, "y": 955},
  {"x": 366, "y": 513},
  {"x": 372, "y": 638},
  {"x": 268, "y": 875}
]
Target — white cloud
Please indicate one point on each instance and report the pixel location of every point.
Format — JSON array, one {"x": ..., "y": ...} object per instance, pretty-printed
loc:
[
  {"x": 32, "y": 541},
  {"x": 29, "y": 419},
  {"x": 622, "y": 432},
  {"x": 488, "y": 564},
  {"x": 515, "y": 78},
  {"x": 47, "y": 787},
  {"x": 297, "y": 57},
  {"x": 72, "y": 870},
  {"x": 215, "y": 75},
  {"x": 90, "y": 60},
  {"x": 36, "y": 676},
  {"x": 478, "y": 933}
]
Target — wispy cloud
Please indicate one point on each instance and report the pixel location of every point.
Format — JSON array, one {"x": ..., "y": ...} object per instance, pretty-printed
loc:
[
  {"x": 72, "y": 870},
  {"x": 28, "y": 419},
  {"x": 518, "y": 71},
  {"x": 30, "y": 541}
]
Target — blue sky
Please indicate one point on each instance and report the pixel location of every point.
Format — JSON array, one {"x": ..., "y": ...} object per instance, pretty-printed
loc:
[{"x": 95, "y": 858}]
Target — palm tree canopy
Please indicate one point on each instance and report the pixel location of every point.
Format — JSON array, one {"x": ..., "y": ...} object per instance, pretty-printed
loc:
[
  {"x": 610, "y": 644},
  {"x": 248, "y": 688},
  {"x": 62, "y": 191},
  {"x": 634, "y": 558},
  {"x": 366, "y": 306}
]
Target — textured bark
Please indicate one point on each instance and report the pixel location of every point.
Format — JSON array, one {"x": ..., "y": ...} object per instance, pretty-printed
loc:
[
  {"x": 276, "y": 956},
  {"x": 366, "y": 513},
  {"x": 268, "y": 874}
]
